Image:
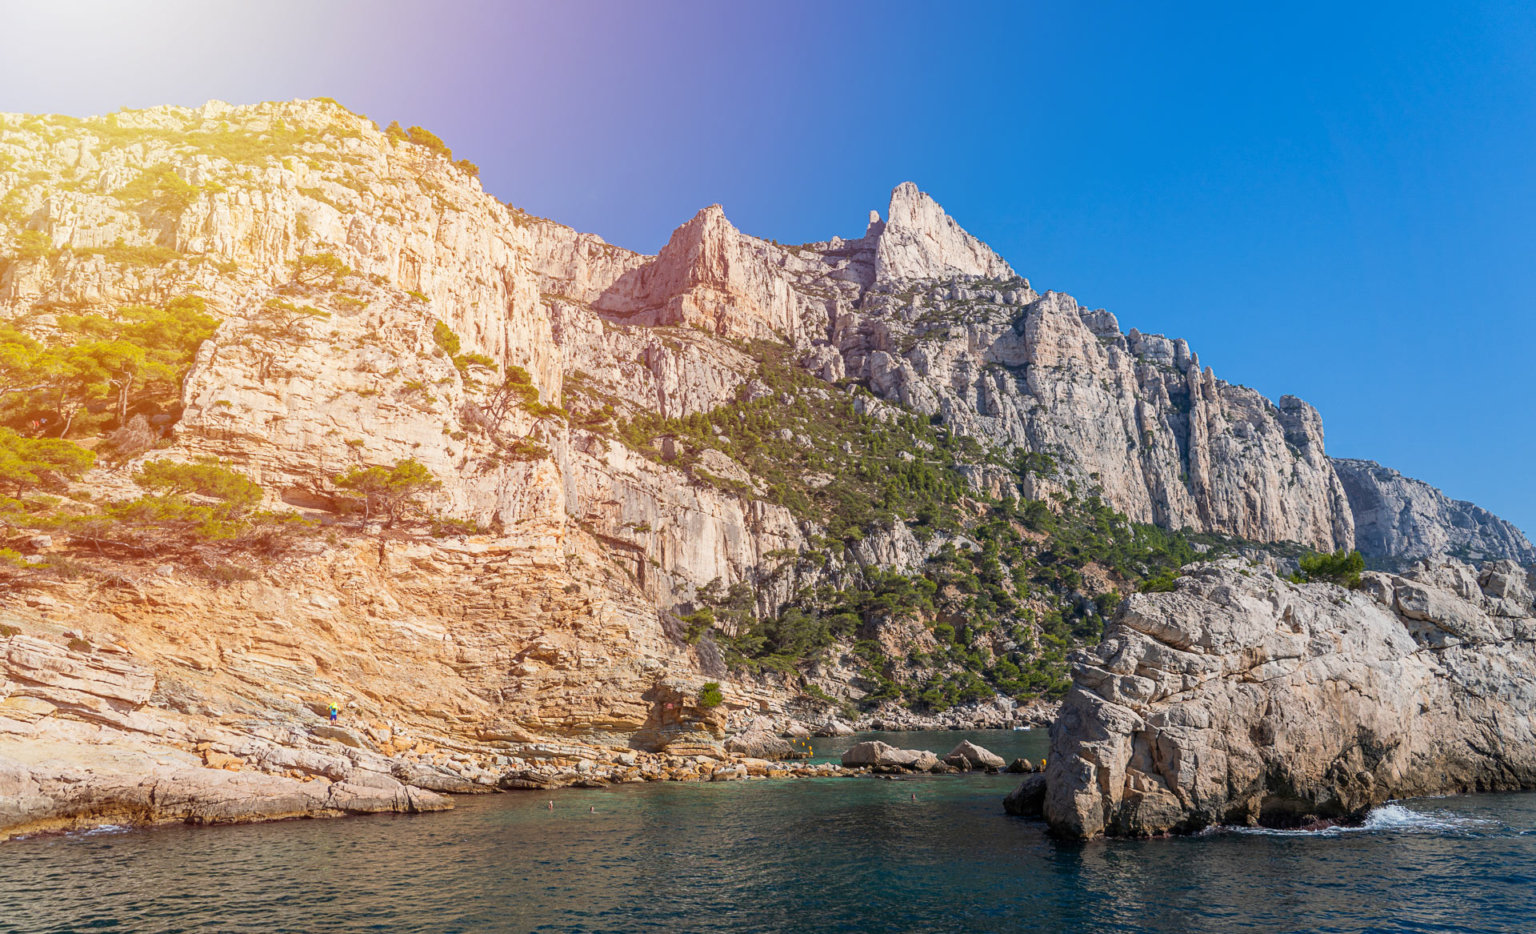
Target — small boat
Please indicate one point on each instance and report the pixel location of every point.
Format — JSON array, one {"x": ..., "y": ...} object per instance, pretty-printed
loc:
[{"x": 1023, "y": 728}]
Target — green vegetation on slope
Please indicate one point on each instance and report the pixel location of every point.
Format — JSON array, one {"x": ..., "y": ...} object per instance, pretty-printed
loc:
[
  {"x": 1013, "y": 587},
  {"x": 92, "y": 372}
]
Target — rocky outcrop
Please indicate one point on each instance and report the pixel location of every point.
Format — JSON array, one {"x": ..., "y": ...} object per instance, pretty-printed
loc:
[
  {"x": 1132, "y": 416},
  {"x": 885, "y": 757},
  {"x": 758, "y": 743},
  {"x": 1241, "y": 698},
  {"x": 1398, "y": 517},
  {"x": 83, "y": 742},
  {"x": 711, "y": 276}
]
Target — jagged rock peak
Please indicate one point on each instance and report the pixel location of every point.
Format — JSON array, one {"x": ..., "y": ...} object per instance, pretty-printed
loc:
[
  {"x": 713, "y": 276},
  {"x": 699, "y": 231},
  {"x": 1403, "y": 518},
  {"x": 920, "y": 241}
]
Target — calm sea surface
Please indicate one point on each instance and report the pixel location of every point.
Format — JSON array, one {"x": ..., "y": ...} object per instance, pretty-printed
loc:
[{"x": 841, "y": 854}]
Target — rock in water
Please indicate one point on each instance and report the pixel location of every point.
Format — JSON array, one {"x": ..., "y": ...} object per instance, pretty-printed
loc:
[
  {"x": 883, "y": 755},
  {"x": 868, "y": 753},
  {"x": 974, "y": 756},
  {"x": 1027, "y": 799},
  {"x": 1241, "y": 698}
]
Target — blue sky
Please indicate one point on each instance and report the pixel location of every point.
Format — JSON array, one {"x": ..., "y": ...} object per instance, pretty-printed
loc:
[{"x": 1331, "y": 200}]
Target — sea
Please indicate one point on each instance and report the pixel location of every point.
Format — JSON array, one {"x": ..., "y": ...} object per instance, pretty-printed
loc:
[{"x": 919, "y": 854}]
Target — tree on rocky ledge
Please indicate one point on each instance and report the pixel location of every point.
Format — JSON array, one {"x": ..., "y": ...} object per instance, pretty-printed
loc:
[
  {"x": 28, "y": 463},
  {"x": 391, "y": 493}
]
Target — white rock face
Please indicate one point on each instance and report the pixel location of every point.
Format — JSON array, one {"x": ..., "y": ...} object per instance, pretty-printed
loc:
[
  {"x": 1244, "y": 699},
  {"x": 920, "y": 241},
  {"x": 1130, "y": 415},
  {"x": 712, "y": 276},
  {"x": 1400, "y": 517}
]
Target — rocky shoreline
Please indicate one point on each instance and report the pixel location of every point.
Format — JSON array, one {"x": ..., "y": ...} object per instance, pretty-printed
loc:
[
  {"x": 69, "y": 783},
  {"x": 90, "y": 737},
  {"x": 1242, "y": 698}
]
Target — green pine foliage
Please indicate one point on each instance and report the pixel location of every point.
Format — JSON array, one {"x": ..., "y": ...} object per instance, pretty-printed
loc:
[
  {"x": 1016, "y": 586},
  {"x": 33, "y": 244},
  {"x": 33, "y": 463},
  {"x": 115, "y": 363},
  {"x": 422, "y": 136},
  {"x": 1341, "y": 567},
  {"x": 393, "y": 493}
]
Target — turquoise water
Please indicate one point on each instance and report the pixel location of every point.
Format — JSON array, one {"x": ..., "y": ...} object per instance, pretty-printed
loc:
[{"x": 838, "y": 854}]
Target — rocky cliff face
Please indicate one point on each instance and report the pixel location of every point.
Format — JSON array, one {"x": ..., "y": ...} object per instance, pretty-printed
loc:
[
  {"x": 1132, "y": 414},
  {"x": 555, "y": 612},
  {"x": 1244, "y": 699},
  {"x": 1398, "y": 517}
]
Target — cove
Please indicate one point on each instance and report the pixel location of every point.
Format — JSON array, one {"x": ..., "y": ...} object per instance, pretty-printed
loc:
[{"x": 845, "y": 854}]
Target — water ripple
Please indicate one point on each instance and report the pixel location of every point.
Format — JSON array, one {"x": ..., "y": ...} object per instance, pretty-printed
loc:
[{"x": 824, "y": 855}]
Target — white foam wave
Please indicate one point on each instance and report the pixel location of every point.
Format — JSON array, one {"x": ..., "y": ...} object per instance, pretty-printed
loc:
[
  {"x": 1399, "y": 819},
  {"x": 1390, "y": 818},
  {"x": 106, "y": 828}
]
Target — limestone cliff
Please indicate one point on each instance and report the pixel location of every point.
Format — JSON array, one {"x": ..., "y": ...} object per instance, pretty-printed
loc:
[
  {"x": 1241, "y": 698},
  {"x": 653, "y": 471},
  {"x": 1398, "y": 517}
]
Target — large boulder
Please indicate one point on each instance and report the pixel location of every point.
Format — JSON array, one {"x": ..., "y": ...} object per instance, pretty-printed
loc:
[
  {"x": 867, "y": 753},
  {"x": 759, "y": 744},
  {"x": 876, "y": 754},
  {"x": 1028, "y": 799},
  {"x": 975, "y": 757},
  {"x": 1241, "y": 698}
]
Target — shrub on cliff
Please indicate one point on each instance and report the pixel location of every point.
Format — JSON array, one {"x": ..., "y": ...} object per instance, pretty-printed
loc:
[
  {"x": 1341, "y": 567},
  {"x": 33, "y": 244},
  {"x": 198, "y": 513},
  {"x": 282, "y": 318},
  {"x": 448, "y": 342},
  {"x": 710, "y": 695},
  {"x": 140, "y": 353},
  {"x": 422, "y": 136},
  {"x": 131, "y": 358},
  {"x": 516, "y": 390},
  {"x": 159, "y": 189},
  {"x": 206, "y": 478},
  {"x": 443, "y": 336},
  {"x": 320, "y": 269}
]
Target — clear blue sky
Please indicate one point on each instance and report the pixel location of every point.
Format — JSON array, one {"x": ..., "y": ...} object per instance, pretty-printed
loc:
[{"x": 1332, "y": 200}]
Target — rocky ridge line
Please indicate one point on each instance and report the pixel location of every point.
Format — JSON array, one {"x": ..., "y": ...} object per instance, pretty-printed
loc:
[{"x": 1404, "y": 519}]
